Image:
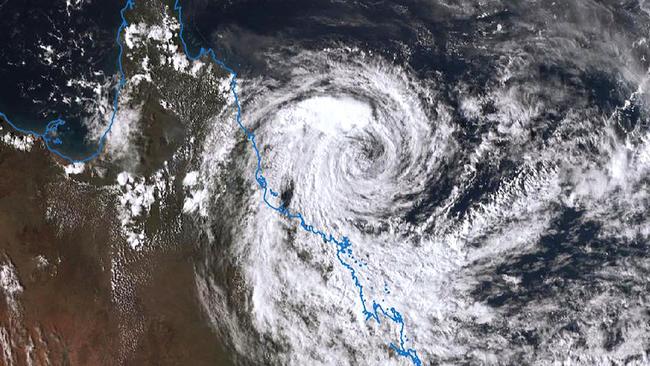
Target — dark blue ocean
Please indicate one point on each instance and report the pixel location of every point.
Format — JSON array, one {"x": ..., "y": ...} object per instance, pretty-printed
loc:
[{"x": 51, "y": 55}]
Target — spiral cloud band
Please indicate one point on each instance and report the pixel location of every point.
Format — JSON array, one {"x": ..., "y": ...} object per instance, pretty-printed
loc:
[{"x": 463, "y": 205}]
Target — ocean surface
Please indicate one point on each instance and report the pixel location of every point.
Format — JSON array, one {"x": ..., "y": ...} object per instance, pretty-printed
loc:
[{"x": 58, "y": 59}]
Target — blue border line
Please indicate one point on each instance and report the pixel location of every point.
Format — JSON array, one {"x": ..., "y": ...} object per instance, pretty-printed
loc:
[
  {"x": 49, "y": 136},
  {"x": 343, "y": 244}
]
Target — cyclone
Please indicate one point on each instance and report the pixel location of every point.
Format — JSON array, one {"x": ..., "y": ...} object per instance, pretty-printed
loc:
[
  {"x": 368, "y": 212},
  {"x": 350, "y": 129},
  {"x": 355, "y": 133}
]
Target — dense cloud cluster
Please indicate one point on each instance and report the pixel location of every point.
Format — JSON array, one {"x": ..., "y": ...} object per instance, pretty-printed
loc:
[{"x": 488, "y": 161}]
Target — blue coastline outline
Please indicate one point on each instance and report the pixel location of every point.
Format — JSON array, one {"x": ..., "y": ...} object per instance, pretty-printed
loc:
[{"x": 343, "y": 244}]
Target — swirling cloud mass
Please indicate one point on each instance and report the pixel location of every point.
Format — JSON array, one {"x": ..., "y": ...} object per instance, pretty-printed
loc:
[{"x": 501, "y": 210}]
